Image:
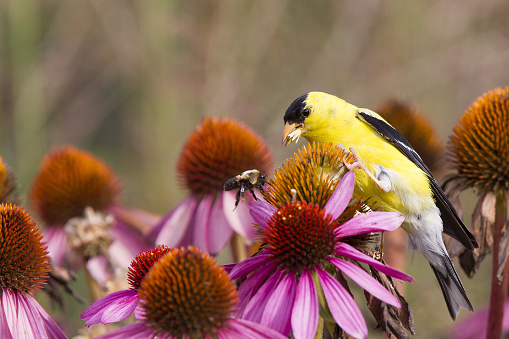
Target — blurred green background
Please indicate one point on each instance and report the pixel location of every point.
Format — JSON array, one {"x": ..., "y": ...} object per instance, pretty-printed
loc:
[{"x": 129, "y": 80}]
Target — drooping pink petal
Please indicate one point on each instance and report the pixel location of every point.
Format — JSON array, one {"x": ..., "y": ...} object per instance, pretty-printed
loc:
[
  {"x": 249, "y": 330},
  {"x": 143, "y": 221},
  {"x": 364, "y": 280},
  {"x": 220, "y": 230},
  {"x": 100, "y": 269},
  {"x": 245, "y": 267},
  {"x": 305, "y": 308},
  {"x": 171, "y": 229},
  {"x": 256, "y": 306},
  {"x": 52, "y": 329},
  {"x": 138, "y": 330},
  {"x": 343, "y": 308},
  {"x": 341, "y": 196},
  {"x": 127, "y": 244},
  {"x": 201, "y": 223},
  {"x": 5, "y": 332},
  {"x": 261, "y": 211},
  {"x": 112, "y": 308},
  {"x": 348, "y": 251},
  {"x": 370, "y": 222},
  {"x": 278, "y": 312},
  {"x": 56, "y": 240},
  {"x": 240, "y": 220},
  {"x": 250, "y": 286}
]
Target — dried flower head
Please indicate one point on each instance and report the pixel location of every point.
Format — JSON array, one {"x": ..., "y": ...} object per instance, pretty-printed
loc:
[
  {"x": 23, "y": 255},
  {"x": 70, "y": 180},
  {"x": 416, "y": 128},
  {"x": 187, "y": 294},
  {"x": 218, "y": 150}
]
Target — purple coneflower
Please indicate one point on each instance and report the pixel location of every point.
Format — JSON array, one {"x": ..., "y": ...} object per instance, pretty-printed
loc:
[
  {"x": 216, "y": 151},
  {"x": 70, "y": 181},
  {"x": 119, "y": 305},
  {"x": 24, "y": 270},
  {"x": 187, "y": 294},
  {"x": 303, "y": 244}
]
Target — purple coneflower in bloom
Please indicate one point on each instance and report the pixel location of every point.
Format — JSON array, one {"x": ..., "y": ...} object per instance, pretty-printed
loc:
[
  {"x": 304, "y": 243},
  {"x": 69, "y": 181},
  {"x": 24, "y": 270},
  {"x": 216, "y": 151},
  {"x": 186, "y": 294},
  {"x": 119, "y": 305}
]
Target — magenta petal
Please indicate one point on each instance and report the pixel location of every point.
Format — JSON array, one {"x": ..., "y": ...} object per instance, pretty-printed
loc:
[
  {"x": 342, "y": 306},
  {"x": 364, "y": 280},
  {"x": 252, "y": 284},
  {"x": 370, "y": 222},
  {"x": 201, "y": 225},
  {"x": 52, "y": 329},
  {"x": 139, "y": 330},
  {"x": 56, "y": 240},
  {"x": 261, "y": 211},
  {"x": 220, "y": 231},
  {"x": 112, "y": 308},
  {"x": 256, "y": 306},
  {"x": 240, "y": 220},
  {"x": 127, "y": 244},
  {"x": 100, "y": 269},
  {"x": 173, "y": 226},
  {"x": 305, "y": 308},
  {"x": 348, "y": 251},
  {"x": 277, "y": 313},
  {"x": 245, "y": 267},
  {"x": 250, "y": 330},
  {"x": 341, "y": 196}
]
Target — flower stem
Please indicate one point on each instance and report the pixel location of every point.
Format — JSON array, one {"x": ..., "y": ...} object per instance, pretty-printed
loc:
[
  {"x": 498, "y": 289},
  {"x": 238, "y": 247}
]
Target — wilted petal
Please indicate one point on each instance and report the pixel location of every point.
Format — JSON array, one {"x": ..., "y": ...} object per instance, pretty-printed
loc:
[
  {"x": 305, "y": 308},
  {"x": 112, "y": 308},
  {"x": 261, "y": 211},
  {"x": 341, "y": 196},
  {"x": 277, "y": 313},
  {"x": 249, "y": 330},
  {"x": 240, "y": 220},
  {"x": 139, "y": 330},
  {"x": 245, "y": 267},
  {"x": 370, "y": 222},
  {"x": 348, "y": 251},
  {"x": 220, "y": 231},
  {"x": 364, "y": 280},
  {"x": 256, "y": 306},
  {"x": 342, "y": 306},
  {"x": 171, "y": 229}
]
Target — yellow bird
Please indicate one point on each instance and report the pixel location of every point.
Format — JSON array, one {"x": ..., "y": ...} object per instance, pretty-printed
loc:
[{"x": 393, "y": 173}]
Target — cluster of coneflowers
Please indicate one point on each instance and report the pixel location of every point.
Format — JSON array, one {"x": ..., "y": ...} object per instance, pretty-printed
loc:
[{"x": 155, "y": 276}]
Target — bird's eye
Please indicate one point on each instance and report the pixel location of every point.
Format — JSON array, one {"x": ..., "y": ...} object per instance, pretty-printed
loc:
[{"x": 306, "y": 112}]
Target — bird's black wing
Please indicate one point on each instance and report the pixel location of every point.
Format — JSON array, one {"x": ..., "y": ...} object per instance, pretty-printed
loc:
[{"x": 453, "y": 225}]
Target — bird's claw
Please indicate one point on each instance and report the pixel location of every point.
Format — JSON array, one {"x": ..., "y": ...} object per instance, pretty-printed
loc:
[{"x": 358, "y": 164}]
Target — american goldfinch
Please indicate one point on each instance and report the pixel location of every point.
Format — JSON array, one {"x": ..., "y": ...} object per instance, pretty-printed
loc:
[{"x": 391, "y": 172}]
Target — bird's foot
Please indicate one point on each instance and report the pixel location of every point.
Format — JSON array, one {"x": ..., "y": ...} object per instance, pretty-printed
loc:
[{"x": 358, "y": 164}]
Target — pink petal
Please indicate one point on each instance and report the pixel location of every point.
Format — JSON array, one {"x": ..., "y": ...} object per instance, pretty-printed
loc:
[
  {"x": 256, "y": 306},
  {"x": 139, "y": 330},
  {"x": 341, "y": 196},
  {"x": 261, "y": 211},
  {"x": 112, "y": 308},
  {"x": 370, "y": 222},
  {"x": 305, "y": 308},
  {"x": 127, "y": 244},
  {"x": 201, "y": 223},
  {"x": 250, "y": 330},
  {"x": 5, "y": 332},
  {"x": 247, "y": 266},
  {"x": 172, "y": 228},
  {"x": 342, "y": 306},
  {"x": 100, "y": 269},
  {"x": 240, "y": 220},
  {"x": 278, "y": 312},
  {"x": 56, "y": 240},
  {"x": 142, "y": 220},
  {"x": 364, "y": 280},
  {"x": 348, "y": 251},
  {"x": 54, "y": 332},
  {"x": 252, "y": 284},
  {"x": 220, "y": 230}
]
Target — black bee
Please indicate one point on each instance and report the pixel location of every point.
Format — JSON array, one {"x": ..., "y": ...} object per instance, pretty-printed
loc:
[{"x": 246, "y": 181}]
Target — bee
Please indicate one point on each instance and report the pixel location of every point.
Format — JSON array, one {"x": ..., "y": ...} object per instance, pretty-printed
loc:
[{"x": 246, "y": 181}]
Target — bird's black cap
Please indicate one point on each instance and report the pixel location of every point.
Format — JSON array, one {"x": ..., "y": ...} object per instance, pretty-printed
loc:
[{"x": 294, "y": 113}]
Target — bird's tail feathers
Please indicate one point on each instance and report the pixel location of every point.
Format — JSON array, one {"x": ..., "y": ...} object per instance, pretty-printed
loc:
[{"x": 452, "y": 289}]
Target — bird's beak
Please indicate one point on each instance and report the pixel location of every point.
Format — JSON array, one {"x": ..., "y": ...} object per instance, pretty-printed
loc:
[{"x": 291, "y": 133}]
